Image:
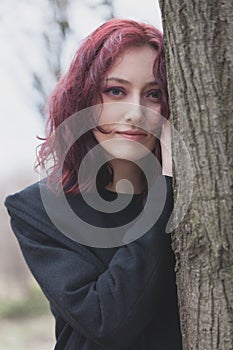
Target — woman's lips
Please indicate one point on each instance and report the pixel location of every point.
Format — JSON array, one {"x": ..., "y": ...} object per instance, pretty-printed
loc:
[{"x": 132, "y": 135}]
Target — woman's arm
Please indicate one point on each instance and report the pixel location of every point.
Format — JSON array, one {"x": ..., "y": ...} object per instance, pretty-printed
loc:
[
  {"x": 109, "y": 306},
  {"x": 165, "y": 141}
]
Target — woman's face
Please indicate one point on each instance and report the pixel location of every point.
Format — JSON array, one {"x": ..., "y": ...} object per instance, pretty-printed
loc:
[{"x": 131, "y": 105}]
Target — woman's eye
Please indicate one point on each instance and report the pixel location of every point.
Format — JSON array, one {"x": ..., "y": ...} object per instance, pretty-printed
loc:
[
  {"x": 115, "y": 91},
  {"x": 155, "y": 94}
]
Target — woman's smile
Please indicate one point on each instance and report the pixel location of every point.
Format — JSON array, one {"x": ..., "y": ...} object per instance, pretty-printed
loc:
[{"x": 134, "y": 135}]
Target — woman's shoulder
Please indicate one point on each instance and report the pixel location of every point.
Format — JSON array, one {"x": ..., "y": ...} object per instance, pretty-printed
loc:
[
  {"x": 24, "y": 200},
  {"x": 33, "y": 198},
  {"x": 39, "y": 208},
  {"x": 37, "y": 216}
]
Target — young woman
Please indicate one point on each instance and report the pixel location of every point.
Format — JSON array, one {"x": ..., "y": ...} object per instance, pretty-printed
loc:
[{"x": 113, "y": 296}]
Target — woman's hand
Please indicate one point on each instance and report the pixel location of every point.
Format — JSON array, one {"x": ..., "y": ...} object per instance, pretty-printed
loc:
[{"x": 165, "y": 141}]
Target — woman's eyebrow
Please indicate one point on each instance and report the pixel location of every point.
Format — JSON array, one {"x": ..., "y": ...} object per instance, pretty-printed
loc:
[
  {"x": 119, "y": 80},
  {"x": 123, "y": 81},
  {"x": 152, "y": 83}
]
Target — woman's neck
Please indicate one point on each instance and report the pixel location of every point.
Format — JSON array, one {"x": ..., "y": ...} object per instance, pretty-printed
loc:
[{"x": 124, "y": 169}]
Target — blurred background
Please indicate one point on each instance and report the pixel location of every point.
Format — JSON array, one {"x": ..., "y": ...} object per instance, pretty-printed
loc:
[{"x": 38, "y": 40}]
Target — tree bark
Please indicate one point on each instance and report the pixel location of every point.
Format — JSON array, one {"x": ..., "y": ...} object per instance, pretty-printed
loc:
[{"x": 199, "y": 54}]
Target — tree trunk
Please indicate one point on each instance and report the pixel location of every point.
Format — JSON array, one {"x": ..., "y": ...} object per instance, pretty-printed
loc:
[{"x": 199, "y": 53}]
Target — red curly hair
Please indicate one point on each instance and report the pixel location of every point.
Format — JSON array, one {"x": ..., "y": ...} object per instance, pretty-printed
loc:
[{"x": 80, "y": 88}]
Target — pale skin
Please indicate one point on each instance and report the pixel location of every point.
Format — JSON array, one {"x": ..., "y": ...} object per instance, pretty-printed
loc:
[{"x": 131, "y": 109}]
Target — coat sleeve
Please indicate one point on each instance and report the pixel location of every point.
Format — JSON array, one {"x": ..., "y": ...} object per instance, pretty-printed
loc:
[{"x": 110, "y": 307}]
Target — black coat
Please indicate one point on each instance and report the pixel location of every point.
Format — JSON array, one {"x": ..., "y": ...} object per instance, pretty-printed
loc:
[{"x": 102, "y": 298}]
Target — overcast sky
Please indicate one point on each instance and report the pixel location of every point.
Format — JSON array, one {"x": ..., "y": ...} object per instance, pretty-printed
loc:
[{"x": 22, "y": 26}]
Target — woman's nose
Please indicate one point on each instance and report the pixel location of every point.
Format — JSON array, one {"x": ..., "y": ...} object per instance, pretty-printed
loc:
[{"x": 134, "y": 113}]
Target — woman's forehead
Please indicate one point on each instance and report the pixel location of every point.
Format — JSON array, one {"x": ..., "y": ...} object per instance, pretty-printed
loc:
[{"x": 133, "y": 61}]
